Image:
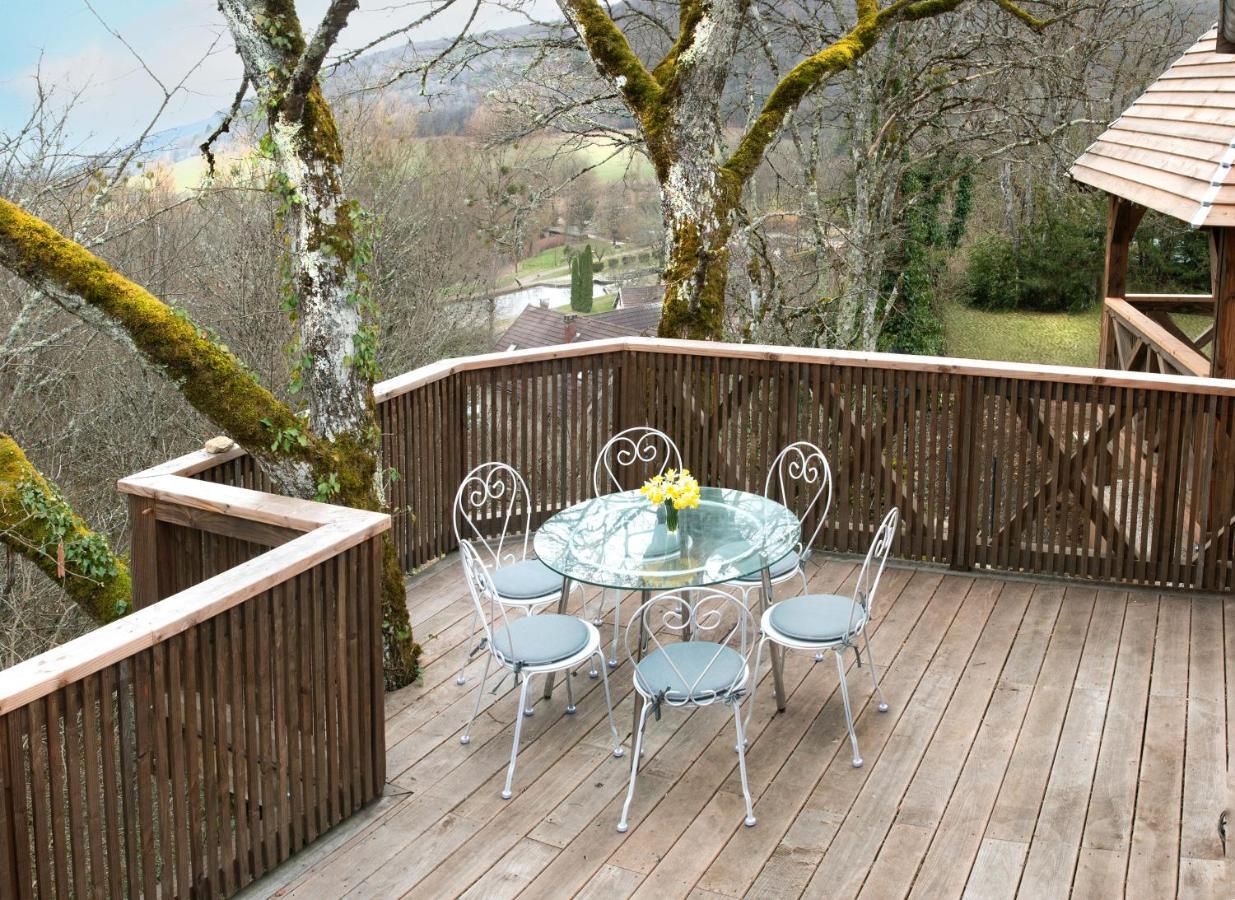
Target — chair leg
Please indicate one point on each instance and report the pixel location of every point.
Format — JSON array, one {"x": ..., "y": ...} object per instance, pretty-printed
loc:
[
  {"x": 471, "y": 631},
  {"x": 618, "y": 749},
  {"x": 598, "y": 621},
  {"x": 754, "y": 683},
  {"x": 737, "y": 724},
  {"x": 634, "y": 768},
  {"x": 844, "y": 696},
  {"x": 870, "y": 658},
  {"x": 617, "y": 628},
  {"x": 466, "y": 737},
  {"x": 569, "y": 678},
  {"x": 514, "y": 749}
]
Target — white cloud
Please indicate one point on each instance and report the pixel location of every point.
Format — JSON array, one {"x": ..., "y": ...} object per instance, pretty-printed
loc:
[{"x": 119, "y": 97}]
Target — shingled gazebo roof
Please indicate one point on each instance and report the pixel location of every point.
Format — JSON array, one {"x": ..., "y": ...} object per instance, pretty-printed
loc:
[{"x": 1172, "y": 149}]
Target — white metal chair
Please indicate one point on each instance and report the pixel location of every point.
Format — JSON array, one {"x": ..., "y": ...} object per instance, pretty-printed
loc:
[
  {"x": 527, "y": 646},
  {"x": 491, "y": 499},
  {"x": 650, "y": 452},
  {"x": 700, "y": 669},
  {"x": 799, "y": 477},
  {"x": 823, "y": 622}
]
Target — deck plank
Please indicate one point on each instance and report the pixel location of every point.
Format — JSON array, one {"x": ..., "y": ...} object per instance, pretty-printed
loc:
[
  {"x": 1043, "y": 739},
  {"x": 958, "y": 838},
  {"x": 1153, "y": 861}
]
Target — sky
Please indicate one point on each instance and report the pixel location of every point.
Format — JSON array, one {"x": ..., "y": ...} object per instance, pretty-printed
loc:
[{"x": 74, "y": 52}]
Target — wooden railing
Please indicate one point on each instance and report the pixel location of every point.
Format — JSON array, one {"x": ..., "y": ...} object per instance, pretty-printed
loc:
[
  {"x": 235, "y": 716},
  {"x": 1140, "y": 334},
  {"x": 1114, "y": 476},
  {"x": 237, "y": 713}
]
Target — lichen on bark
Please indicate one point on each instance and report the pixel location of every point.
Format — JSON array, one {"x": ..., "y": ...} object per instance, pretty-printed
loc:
[{"x": 37, "y": 522}]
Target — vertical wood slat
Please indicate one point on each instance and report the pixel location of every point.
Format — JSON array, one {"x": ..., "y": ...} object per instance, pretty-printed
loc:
[
  {"x": 999, "y": 471},
  {"x": 173, "y": 817}
]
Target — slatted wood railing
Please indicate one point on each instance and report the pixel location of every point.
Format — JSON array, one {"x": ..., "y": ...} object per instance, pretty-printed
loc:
[
  {"x": 235, "y": 716},
  {"x": 1142, "y": 335},
  {"x": 1116, "y": 476}
]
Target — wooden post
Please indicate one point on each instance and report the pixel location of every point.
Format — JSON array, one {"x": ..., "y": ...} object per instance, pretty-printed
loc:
[
  {"x": 143, "y": 551},
  {"x": 1222, "y": 270},
  {"x": 1122, "y": 220},
  {"x": 1222, "y": 365},
  {"x": 962, "y": 525}
]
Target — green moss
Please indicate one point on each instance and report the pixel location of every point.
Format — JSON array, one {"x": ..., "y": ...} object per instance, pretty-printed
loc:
[
  {"x": 320, "y": 129},
  {"x": 701, "y": 272},
  {"x": 210, "y": 378},
  {"x": 609, "y": 49},
  {"x": 36, "y": 521},
  {"x": 402, "y": 654}
]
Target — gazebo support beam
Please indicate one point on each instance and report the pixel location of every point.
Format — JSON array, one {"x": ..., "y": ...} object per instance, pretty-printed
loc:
[
  {"x": 1222, "y": 269},
  {"x": 1121, "y": 223}
]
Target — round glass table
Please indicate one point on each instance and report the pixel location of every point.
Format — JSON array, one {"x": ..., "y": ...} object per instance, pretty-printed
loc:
[{"x": 620, "y": 541}]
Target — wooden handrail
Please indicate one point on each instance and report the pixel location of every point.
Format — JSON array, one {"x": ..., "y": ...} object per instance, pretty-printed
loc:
[
  {"x": 401, "y": 384},
  {"x": 328, "y": 531},
  {"x": 1173, "y": 303},
  {"x": 1161, "y": 340}
]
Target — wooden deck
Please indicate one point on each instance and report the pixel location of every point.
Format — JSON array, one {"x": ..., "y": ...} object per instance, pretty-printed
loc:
[{"x": 1042, "y": 739}]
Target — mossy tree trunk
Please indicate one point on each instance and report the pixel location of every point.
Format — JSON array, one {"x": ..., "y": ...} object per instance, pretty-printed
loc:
[
  {"x": 218, "y": 386},
  {"x": 36, "y": 522},
  {"x": 676, "y": 104},
  {"x": 331, "y": 452}
]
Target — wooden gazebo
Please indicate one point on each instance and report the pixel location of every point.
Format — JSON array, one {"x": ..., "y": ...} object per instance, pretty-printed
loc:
[{"x": 1171, "y": 151}]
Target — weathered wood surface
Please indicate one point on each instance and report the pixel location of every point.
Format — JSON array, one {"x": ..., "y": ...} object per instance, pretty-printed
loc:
[
  {"x": 235, "y": 716},
  {"x": 1096, "y": 474},
  {"x": 1034, "y": 745}
]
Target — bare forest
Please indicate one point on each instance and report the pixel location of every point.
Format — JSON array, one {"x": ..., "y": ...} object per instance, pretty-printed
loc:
[{"x": 440, "y": 176}]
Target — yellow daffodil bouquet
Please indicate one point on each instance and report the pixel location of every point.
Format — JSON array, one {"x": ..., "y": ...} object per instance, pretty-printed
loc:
[{"x": 675, "y": 491}]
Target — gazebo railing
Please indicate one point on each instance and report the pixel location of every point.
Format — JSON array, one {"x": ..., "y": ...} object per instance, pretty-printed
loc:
[
  {"x": 1141, "y": 334},
  {"x": 1114, "y": 476}
]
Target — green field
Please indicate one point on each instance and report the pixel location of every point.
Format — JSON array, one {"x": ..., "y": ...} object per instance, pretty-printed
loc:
[
  {"x": 1064, "y": 339},
  {"x": 555, "y": 257},
  {"x": 599, "y": 304}
]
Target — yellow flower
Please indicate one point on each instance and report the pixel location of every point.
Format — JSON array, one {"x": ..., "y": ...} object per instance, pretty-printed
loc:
[{"x": 674, "y": 485}]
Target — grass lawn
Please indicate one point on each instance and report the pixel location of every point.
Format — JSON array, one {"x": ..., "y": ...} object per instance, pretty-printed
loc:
[
  {"x": 599, "y": 304},
  {"x": 555, "y": 257},
  {"x": 1064, "y": 339}
]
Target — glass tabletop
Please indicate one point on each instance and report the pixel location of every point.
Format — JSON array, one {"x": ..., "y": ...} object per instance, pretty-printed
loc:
[{"x": 620, "y": 540}]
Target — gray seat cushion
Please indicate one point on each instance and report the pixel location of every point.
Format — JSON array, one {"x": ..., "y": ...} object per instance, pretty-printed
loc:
[
  {"x": 692, "y": 658},
  {"x": 782, "y": 566},
  {"x": 820, "y": 618},
  {"x": 539, "y": 640},
  {"x": 526, "y": 580}
]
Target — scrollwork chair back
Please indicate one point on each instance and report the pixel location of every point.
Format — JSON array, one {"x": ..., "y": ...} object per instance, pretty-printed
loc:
[{"x": 648, "y": 449}]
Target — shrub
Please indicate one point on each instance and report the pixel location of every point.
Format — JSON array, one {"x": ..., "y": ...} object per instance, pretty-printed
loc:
[
  {"x": 1058, "y": 264},
  {"x": 1056, "y": 267}
]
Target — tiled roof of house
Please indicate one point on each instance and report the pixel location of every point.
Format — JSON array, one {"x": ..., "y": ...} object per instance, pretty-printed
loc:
[
  {"x": 1172, "y": 150},
  {"x": 540, "y": 327},
  {"x": 642, "y": 294},
  {"x": 640, "y": 320}
]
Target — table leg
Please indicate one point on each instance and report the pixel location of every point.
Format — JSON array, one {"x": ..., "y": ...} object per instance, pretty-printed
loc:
[
  {"x": 778, "y": 676},
  {"x": 634, "y": 725},
  {"x": 561, "y": 608}
]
